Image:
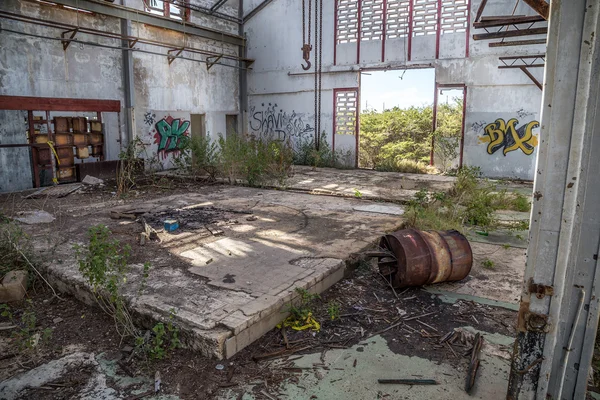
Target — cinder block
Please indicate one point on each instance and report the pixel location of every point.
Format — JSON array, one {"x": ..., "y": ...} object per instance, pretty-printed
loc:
[{"x": 14, "y": 286}]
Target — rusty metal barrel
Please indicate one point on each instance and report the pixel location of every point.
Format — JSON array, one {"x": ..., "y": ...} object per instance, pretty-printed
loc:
[{"x": 416, "y": 258}]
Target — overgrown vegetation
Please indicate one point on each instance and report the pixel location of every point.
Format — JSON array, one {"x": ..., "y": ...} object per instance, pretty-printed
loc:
[
  {"x": 301, "y": 313},
  {"x": 27, "y": 335},
  {"x": 104, "y": 264},
  {"x": 399, "y": 140},
  {"x": 130, "y": 166},
  {"x": 15, "y": 247},
  {"x": 471, "y": 201}
]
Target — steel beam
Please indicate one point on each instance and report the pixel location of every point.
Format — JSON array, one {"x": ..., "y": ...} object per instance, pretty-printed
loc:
[
  {"x": 256, "y": 10},
  {"x": 57, "y": 104},
  {"x": 558, "y": 316},
  {"x": 128, "y": 82},
  {"x": 508, "y": 21},
  {"x": 116, "y": 11},
  {"x": 540, "y": 7},
  {"x": 513, "y": 33},
  {"x": 517, "y": 42}
]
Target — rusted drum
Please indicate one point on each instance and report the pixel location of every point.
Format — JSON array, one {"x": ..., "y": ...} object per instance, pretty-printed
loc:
[{"x": 422, "y": 257}]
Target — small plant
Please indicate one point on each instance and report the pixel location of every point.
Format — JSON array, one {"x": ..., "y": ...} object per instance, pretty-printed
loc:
[
  {"x": 162, "y": 339},
  {"x": 487, "y": 264},
  {"x": 15, "y": 247},
  {"x": 506, "y": 246},
  {"x": 103, "y": 262},
  {"x": 26, "y": 335},
  {"x": 357, "y": 194},
  {"x": 301, "y": 315},
  {"x": 333, "y": 309},
  {"x": 130, "y": 166}
]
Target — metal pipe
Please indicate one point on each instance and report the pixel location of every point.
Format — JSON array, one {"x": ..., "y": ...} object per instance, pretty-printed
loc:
[
  {"x": 115, "y": 47},
  {"x": 112, "y": 35}
]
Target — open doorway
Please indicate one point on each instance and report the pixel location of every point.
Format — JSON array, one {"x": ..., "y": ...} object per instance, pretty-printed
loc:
[
  {"x": 448, "y": 120},
  {"x": 396, "y": 121}
]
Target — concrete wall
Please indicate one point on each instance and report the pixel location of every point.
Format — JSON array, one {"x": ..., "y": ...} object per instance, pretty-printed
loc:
[
  {"x": 38, "y": 66},
  {"x": 277, "y": 81}
]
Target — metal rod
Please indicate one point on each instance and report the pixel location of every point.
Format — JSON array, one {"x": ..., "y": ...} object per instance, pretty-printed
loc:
[{"x": 513, "y": 33}]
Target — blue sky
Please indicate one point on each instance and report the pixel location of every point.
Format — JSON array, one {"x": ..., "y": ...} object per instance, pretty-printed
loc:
[{"x": 414, "y": 89}]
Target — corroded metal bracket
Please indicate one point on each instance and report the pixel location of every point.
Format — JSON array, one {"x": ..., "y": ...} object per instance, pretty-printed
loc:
[
  {"x": 530, "y": 321},
  {"x": 172, "y": 57},
  {"x": 66, "y": 43},
  {"x": 540, "y": 290},
  {"x": 212, "y": 61}
]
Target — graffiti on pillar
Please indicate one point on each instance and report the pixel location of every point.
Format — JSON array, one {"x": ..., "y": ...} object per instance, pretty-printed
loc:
[
  {"x": 272, "y": 122},
  {"x": 508, "y": 137},
  {"x": 169, "y": 134}
]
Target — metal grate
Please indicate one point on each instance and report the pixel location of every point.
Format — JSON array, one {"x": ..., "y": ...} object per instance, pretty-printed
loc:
[
  {"x": 346, "y": 108},
  {"x": 397, "y": 19},
  {"x": 424, "y": 17},
  {"x": 371, "y": 26},
  {"x": 347, "y": 21},
  {"x": 454, "y": 16}
]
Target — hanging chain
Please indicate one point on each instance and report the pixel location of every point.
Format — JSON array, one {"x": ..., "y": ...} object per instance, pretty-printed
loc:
[
  {"x": 316, "y": 125},
  {"x": 306, "y": 47},
  {"x": 320, "y": 59}
]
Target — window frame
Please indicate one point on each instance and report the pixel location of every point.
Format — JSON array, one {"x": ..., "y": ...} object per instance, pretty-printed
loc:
[{"x": 166, "y": 9}]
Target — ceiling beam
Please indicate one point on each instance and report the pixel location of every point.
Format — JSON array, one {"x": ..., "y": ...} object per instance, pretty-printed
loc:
[
  {"x": 112, "y": 10},
  {"x": 517, "y": 42},
  {"x": 540, "y": 7},
  {"x": 508, "y": 21},
  {"x": 513, "y": 33},
  {"x": 217, "y": 5}
]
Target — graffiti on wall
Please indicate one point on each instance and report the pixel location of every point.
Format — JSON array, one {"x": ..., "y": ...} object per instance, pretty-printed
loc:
[
  {"x": 508, "y": 137},
  {"x": 169, "y": 132},
  {"x": 273, "y": 122}
]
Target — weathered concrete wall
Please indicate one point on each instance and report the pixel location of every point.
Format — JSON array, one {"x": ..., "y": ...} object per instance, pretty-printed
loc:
[
  {"x": 275, "y": 39},
  {"x": 15, "y": 173},
  {"x": 38, "y": 66}
]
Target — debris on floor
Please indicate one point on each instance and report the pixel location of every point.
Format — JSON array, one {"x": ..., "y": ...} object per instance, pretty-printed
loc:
[{"x": 34, "y": 217}]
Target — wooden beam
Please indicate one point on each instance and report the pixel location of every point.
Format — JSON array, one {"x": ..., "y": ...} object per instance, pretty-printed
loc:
[
  {"x": 513, "y": 33},
  {"x": 540, "y": 7},
  {"x": 508, "y": 21},
  {"x": 537, "y": 83},
  {"x": 58, "y": 104},
  {"x": 517, "y": 42}
]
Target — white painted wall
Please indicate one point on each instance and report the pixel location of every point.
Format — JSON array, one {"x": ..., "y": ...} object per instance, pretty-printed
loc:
[
  {"x": 40, "y": 67},
  {"x": 275, "y": 38}
]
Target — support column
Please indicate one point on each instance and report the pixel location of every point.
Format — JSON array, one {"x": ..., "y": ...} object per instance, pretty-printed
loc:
[
  {"x": 128, "y": 85},
  {"x": 243, "y": 120},
  {"x": 558, "y": 317}
]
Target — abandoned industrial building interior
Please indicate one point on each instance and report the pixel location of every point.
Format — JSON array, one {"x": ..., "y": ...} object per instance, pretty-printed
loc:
[{"x": 299, "y": 199}]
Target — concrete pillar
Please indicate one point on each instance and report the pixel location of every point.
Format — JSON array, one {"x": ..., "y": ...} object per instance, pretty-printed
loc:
[
  {"x": 128, "y": 85},
  {"x": 558, "y": 317}
]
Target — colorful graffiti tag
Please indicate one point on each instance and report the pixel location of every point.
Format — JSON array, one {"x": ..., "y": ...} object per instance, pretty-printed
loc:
[
  {"x": 275, "y": 123},
  {"x": 506, "y": 136},
  {"x": 168, "y": 133}
]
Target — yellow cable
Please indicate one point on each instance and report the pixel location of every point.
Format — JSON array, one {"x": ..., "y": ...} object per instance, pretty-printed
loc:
[{"x": 51, "y": 144}]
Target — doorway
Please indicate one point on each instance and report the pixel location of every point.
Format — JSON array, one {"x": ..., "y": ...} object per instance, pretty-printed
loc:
[
  {"x": 396, "y": 120},
  {"x": 447, "y": 142}
]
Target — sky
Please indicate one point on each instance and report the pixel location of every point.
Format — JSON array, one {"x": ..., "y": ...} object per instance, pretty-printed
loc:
[{"x": 379, "y": 88}]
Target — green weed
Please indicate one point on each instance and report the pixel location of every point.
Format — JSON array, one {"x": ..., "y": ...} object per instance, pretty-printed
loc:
[
  {"x": 488, "y": 264},
  {"x": 333, "y": 309},
  {"x": 26, "y": 335}
]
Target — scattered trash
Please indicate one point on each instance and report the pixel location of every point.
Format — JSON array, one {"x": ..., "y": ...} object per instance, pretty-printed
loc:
[
  {"x": 482, "y": 233},
  {"x": 55, "y": 191},
  {"x": 411, "y": 257},
  {"x": 251, "y": 218},
  {"x": 57, "y": 320},
  {"x": 300, "y": 325},
  {"x": 214, "y": 230},
  {"x": 220, "y": 367},
  {"x": 120, "y": 215},
  {"x": 34, "y": 217},
  {"x": 408, "y": 381},
  {"x": 171, "y": 225},
  {"x": 474, "y": 364},
  {"x": 91, "y": 180},
  {"x": 157, "y": 382},
  {"x": 127, "y": 349},
  {"x": 149, "y": 231}
]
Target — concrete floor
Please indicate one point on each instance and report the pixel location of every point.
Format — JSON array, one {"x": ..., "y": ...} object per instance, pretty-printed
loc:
[{"x": 229, "y": 289}]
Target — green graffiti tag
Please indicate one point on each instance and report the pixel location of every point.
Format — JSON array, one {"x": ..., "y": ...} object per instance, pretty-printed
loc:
[{"x": 170, "y": 132}]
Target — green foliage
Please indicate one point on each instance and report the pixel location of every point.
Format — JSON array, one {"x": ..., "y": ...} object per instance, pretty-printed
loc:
[
  {"x": 26, "y": 335},
  {"x": 130, "y": 166},
  {"x": 488, "y": 264},
  {"x": 164, "y": 338},
  {"x": 236, "y": 157},
  {"x": 301, "y": 311},
  {"x": 103, "y": 262},
  {"x": 357, "y": 193},
  {"x": 333, "y": 309},
  {"x": 447, "y": 133},
  {"x": 15, "y": 246},
  {"x": 389, "y": 137}
]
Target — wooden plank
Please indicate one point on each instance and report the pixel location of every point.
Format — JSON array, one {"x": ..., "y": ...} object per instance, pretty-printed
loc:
[
  {"x": 58, "y": 104},
  {"x": 517, "y": 42},
  {"x": 508, "y": 21},
  {"x": 514, "y": 33},
  {"x": 540, "y": 7}
]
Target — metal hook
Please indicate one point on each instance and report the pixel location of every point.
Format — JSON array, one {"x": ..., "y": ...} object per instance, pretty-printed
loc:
[{"x": 307, "y": 67}]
